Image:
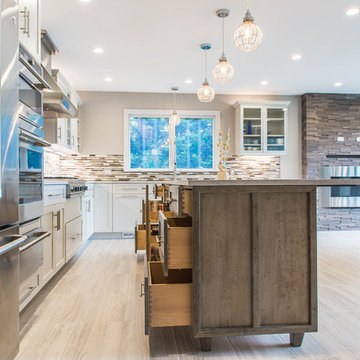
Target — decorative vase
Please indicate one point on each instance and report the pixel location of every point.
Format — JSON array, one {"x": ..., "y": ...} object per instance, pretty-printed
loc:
[{"x": 221, "y": 175}]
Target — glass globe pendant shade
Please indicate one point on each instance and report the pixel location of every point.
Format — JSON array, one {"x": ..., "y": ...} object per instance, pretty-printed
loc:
[
  {"x": 248, "y": 35},
  {"x": 223, "y": 72},
  {"x": 206, "y": 93},
  {"x": 175, "y": 118}
]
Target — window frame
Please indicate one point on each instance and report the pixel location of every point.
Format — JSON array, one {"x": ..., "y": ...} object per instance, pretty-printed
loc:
[{"x": 215, "y": 115}]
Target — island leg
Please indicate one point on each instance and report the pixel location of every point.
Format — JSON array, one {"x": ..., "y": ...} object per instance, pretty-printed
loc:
[
  {"x": 205, "y": 344},
  {"x": 296, "y": 339}
]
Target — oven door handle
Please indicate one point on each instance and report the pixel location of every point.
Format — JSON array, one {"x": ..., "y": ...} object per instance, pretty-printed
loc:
[
  {"x": 32, "y": 243},
  {"x": 25, "y": 135},
  {"x": 33, "y": 72}
]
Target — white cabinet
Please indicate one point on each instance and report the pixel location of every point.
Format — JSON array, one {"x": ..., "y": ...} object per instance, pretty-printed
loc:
[
  {"x": 261, "y": 128},
  {"x": 73, "y": 237},
  {"x": 103, "y": 207},
  {"x": 30, "y": 27},
  {"x": 61, "y": 131},
  {"x": 117, "y": 207},
  {"x": 74, "y": 135},
  {"x": 127, "y": 205},
  {"x": 54, "y": 245},
  {"x": 88, "y": 212}
]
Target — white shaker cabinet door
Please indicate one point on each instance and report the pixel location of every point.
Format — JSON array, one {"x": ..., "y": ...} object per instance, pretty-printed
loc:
[
  {"x": 126, "y": 211},
  {"x": 88, "y": 217},
  {"x": 103, "y": 205},
  {"x": 62, "y": 131}
]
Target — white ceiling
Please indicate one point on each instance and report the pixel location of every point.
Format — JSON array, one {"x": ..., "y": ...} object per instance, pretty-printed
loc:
[{"x": 150, "y": 46}]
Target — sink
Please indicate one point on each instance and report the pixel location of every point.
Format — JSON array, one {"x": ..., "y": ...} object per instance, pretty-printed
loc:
[{"x": 9, "y": 242}]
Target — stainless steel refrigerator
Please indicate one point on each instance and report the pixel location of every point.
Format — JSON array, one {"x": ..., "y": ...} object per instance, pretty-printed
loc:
[
  {"x": 9, "y": 178},
  {"x": 9, "y": 138}
]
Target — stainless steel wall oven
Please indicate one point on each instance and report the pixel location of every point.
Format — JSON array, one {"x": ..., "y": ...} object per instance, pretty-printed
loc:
[
  {"x": 340, "y": 196},
  {"x": 31, "y": 142}
]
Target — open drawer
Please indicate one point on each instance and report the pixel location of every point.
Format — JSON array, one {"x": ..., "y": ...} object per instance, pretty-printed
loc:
[
  {"x": 168, "y": 300},
  {"x": 175, "y": 242},
  {"x": 140, "y": 238}
]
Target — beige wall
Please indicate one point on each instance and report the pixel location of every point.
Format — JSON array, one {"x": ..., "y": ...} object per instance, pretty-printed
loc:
[{"x": 102, "y": 115}]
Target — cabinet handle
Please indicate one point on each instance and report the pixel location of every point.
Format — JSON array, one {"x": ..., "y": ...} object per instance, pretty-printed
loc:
[
  {"x": 26, "y": 28},
  {"x": 58, "y": 218},
  {"x": 142, "y": 287},
  {"x": 59, "y": 133},
  {"x": 73, "y": 140},
  {"x": 88, "y": 206}
]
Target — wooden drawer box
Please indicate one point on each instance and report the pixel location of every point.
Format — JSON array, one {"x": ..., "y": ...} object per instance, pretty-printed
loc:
[
  {"x": 168, "y": 300},
  {"x": 175, "y": 242},
  {"x": 186, "y": 202},
  {"x": 140, "y": 238},
  {"x": 161, "y": 191}
]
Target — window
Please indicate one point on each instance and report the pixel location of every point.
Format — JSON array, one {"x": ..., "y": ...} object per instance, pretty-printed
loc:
[
  {"x": 149, "y": 140},
  {"x": 194, "y": 143},
  {"x": 149, "y": 143}
]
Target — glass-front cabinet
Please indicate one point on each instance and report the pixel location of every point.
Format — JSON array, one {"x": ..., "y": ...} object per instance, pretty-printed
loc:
[{"x": 262, "y": 128}]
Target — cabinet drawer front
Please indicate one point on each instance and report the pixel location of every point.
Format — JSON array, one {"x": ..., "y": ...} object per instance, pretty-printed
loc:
[
  {"x": 72, "y": 208},
  {"x": 170, "y": 299},
  {"x": 54, "y": 194},
  {"x": 28, "y": 286},
  {"x": 175, "y": 242},
  {"x": 128, "y": 189},
  {"x": 73, "y": 237}
]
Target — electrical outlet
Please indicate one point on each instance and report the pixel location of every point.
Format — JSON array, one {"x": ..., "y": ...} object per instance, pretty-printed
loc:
[
  {"x": 340, "y": 139},
  {"x": 107, "y": 171},
  {"x": 358, "y": 139}
]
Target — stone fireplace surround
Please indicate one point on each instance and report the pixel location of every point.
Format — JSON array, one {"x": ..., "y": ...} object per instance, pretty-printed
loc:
[{"x": 325, "y": 118}]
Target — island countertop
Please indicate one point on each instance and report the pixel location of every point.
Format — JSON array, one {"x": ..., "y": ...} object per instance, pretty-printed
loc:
[{"x": 290, "y": 182}]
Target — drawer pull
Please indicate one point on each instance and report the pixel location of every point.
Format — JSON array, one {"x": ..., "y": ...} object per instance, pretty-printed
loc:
[{"x": 142, "y": 290}]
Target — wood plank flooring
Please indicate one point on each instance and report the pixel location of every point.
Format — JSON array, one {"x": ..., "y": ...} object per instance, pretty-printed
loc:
[{"x": 92, "y": 310}]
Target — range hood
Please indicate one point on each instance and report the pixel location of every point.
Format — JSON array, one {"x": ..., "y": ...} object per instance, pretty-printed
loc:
[{"x": 57, "y": 103}]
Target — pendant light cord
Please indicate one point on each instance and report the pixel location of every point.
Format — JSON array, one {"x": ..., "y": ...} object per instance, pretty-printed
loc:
[
  {"x": 223, "y": 37},
  {"x": 248, "y": 4},
  {"x": 206, "y": 65},
  {"x": 174, "y": 100}
]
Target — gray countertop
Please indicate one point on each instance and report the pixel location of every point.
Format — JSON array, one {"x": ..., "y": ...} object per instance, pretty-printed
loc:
[{"x": 292, "y": 182}]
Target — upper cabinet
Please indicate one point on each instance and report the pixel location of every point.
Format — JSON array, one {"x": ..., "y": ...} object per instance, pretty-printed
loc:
[
  {"x": 30, "y": 27},
  {"x": 261, "y": 128}
]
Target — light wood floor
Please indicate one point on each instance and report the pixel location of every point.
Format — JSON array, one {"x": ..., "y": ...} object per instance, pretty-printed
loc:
[{"x": 92, "y": 310}]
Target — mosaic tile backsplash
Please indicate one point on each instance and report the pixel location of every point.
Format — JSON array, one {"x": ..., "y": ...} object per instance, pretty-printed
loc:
[{"x": 111, "y": 168}]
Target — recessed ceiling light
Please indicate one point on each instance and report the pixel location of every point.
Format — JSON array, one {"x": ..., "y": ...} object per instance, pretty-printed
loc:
[
  {"x": 264, "y": 83},
  {"x": 296, "y": 57},
  {"x": 353, "y": 11},
  {"x": 337, "y": 84},
  {"x": 98, "y": 50},
  {"x": 108, "y": 79},
  {"x": 188, "y": 81}
]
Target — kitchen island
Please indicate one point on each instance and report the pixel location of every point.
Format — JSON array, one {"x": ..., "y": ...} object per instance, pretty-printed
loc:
[{"x": 252, "y": 250}]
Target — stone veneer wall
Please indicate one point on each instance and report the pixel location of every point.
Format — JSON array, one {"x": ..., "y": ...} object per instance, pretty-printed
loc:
[
  {"x": 111, "y": 168},
  {"x": 325, "y": 117}
]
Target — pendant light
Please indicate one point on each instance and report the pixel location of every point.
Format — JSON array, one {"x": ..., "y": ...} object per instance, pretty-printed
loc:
[
  {"x": 223, "y": 72},
  {"x": 206, "y": 93},
  {"x": 248, "y": 35},
  {"x": 175, "y": 118}
]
